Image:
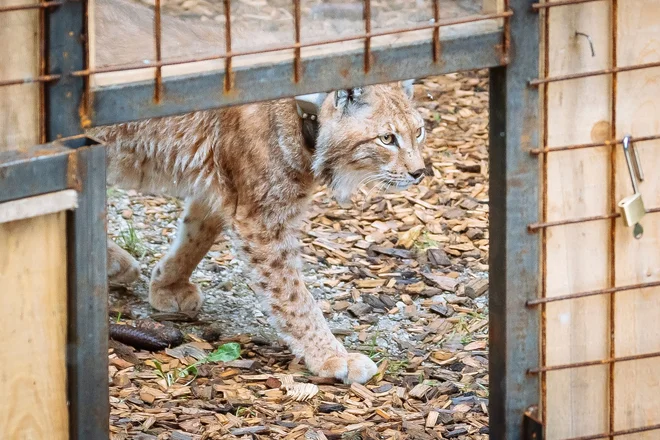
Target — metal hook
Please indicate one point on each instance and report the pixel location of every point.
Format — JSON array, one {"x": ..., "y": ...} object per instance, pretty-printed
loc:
[
  {"x": 633, "y": 162},
  {"x": 591, "y": 43}
]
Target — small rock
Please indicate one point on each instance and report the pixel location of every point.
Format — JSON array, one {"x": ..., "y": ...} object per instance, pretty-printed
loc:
[
  {"x": 127, "y": 214},
  {"x": 359, "y": 309}
]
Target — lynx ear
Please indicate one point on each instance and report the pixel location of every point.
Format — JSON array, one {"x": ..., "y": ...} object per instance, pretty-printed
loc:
[
  {"x": 343, "y": 97},
  {"x": 408, "y": 87}
]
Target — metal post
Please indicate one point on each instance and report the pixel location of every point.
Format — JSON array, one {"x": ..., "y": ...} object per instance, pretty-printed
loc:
[
  {"x": 65, "y": 113},
  {"x": 514, "y": 252},
  {"x": 88, "y": 301}
]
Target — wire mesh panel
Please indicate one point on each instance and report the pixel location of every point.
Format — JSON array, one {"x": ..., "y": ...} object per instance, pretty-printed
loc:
[
  {"x": 164, "y": 57},
  {"x": 600, "y": 289}
]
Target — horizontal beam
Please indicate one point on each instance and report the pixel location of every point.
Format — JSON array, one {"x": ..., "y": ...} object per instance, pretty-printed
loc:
[
  {"x": 187, "y": 93},
  {"x": 41, "y": 169}
]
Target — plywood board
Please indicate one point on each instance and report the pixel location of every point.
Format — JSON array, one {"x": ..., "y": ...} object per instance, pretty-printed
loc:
[
  {"x": 33, "y": 329},
  {"x": 577, "y": 255},
  {"x": 38, "y": 205},
  {"x": 19, "y": 52},
  {"x": 637, "y": 315}
]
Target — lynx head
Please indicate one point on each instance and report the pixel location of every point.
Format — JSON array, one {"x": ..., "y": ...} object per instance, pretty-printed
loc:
[{"x": 370, "y": 134}]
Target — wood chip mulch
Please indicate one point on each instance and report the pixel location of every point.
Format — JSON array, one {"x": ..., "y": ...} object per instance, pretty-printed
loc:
[{"x": 402, "y": 277}]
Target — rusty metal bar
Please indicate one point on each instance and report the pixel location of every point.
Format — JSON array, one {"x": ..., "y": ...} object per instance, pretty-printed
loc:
[
  {"x": 43, "y": 72},
  {"x": 611, "y": 360},
  {"x": 545, "y": 300},
  {"x": 297, "y": 62},
  {"x": 228, "y": 55},
  {"x": 367, "y": 38},
  {"x": 538, "y": 81},
  {"x": 592, "y": 144},
  {"x": 544, "y": 216},
  {"x": 507, "y": 33},
  {"x": 158, "y": 34},
  {"x": 546, "y": 5},
  {"x": 436, "y": 31},
  {"x": 42, "y": 5},
  {"x": 537, "y": 226},
  {"x": 40, "y": 78},
  {"x": 613, "y": 208},
  {"x": 617, "y": 433}
]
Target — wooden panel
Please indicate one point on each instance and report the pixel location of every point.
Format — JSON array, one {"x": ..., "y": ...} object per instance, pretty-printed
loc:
[
  {"x": 33, "y": 329},
  {"x": 38, "y": 205},
  {"x": 577, "y": 330},
  {"x": 578, "y": 111},
  {"x": 19, "y": 119},
  {"x": 492, "y": 6},
  {"x": 637, "y": 317}
]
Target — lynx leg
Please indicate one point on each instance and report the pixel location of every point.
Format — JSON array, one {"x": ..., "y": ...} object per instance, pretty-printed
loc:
[
  {"x": 273, "y": 251},
  {"x": 123, "y": 269},
  {"x": 170, "y": 289}
]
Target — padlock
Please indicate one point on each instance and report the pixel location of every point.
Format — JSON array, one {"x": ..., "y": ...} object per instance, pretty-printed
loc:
[{"x": 632, "y": 207}]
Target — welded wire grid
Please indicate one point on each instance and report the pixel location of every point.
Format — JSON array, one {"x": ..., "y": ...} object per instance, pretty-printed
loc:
[
  {"x": 159, "y": 63},
  {"x": 541, "y": 227}
]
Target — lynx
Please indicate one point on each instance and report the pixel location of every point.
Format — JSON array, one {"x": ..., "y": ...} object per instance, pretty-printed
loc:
[{"x": 252, "y": 169}]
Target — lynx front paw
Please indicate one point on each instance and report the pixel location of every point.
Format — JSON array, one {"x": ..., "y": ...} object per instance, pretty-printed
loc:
[
  {"x": 353, "y": 367},
  {"x": 177, "y": 297}
]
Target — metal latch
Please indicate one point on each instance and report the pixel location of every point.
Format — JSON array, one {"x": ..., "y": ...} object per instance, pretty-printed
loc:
[{"x": 532, "y": 426}]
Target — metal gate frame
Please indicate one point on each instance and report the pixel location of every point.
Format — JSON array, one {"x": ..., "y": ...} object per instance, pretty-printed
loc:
[{"x": 71, "y": 160}]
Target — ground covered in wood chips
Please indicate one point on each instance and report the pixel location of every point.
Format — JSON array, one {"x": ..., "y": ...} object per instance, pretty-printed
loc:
[{"x": 400, "y": 277}]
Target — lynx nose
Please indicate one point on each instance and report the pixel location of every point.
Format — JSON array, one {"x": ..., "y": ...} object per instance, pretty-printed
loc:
[{"x": 417, "y": 174}]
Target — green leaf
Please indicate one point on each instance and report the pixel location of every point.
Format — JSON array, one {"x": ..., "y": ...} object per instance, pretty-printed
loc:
[
  {"x": 225, "y": 353},
  {"x": 192, "y": 369}
]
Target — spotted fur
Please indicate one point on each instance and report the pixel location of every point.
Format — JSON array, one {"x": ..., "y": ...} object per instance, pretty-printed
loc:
[{"x": 247, "y": 169}]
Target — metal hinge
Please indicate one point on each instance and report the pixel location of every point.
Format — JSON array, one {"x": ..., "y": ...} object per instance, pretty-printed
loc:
[{"x": 532, "y": 426}]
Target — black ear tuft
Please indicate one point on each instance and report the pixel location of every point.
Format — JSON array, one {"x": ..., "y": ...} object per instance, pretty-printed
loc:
[
  {"x": 344, "y": 97},
  {"x": 408, "y": 87}
]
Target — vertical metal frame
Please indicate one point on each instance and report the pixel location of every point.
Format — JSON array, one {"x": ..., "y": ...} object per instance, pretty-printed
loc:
[
  {"x": 87, "y": 356},
  {"x": 65, "y": 106},
  {"x": 514, "y": 252}
]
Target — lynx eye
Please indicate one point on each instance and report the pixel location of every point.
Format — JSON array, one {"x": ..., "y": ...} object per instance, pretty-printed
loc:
[
  {"x": 420, "y": 133},
  {"x": 387, "y": 139}
]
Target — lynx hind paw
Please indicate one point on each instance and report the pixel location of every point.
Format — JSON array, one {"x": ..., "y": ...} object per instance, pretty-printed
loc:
[
  {"x": 177, "y": 297},
  {"x": 353, "y": 367},
  {"x": 123, "y": 269}
]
